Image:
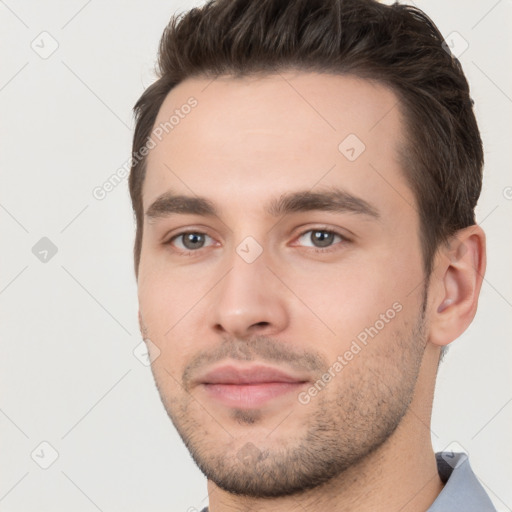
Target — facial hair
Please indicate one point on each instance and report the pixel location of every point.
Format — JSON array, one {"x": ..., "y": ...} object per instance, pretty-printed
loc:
[{"x": 356, "y": 413}]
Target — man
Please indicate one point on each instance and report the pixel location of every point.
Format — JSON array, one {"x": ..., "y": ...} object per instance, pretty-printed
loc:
[{"x": 304, "y": 181}]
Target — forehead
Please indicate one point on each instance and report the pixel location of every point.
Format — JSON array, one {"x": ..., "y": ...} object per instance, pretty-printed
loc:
[{"x": 252, "y": 136}]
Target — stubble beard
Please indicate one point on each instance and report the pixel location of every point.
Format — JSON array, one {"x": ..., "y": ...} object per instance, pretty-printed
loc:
[{"x": 344, "y": 426}]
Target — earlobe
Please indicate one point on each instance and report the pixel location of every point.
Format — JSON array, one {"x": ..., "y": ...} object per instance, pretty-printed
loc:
[
  {"x": 459, "y": 271},
  {"x": 142, "y": 327}
]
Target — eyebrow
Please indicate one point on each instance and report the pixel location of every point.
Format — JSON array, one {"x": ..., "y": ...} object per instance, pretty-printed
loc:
[{"x": 334, "y": 200}]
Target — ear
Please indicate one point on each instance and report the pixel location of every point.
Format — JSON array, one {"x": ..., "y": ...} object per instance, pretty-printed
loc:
[
  {"x": 142, "y": 327},
  {"x": 456, "y": 280}
]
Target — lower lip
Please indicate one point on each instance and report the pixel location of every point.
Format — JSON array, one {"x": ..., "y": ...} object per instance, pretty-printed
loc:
[{"x": 249, "y": 396}]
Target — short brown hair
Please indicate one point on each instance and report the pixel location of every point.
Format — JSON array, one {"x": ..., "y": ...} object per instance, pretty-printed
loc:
[{"x": 396, "y": 45}]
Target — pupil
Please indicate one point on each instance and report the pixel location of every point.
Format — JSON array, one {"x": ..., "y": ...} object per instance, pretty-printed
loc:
[
  {"x": 193, "y": 240},
  {"x": 322, "y": 238}
]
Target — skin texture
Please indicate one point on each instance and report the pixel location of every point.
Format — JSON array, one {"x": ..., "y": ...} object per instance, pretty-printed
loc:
[{"x": 363, "y": 439}]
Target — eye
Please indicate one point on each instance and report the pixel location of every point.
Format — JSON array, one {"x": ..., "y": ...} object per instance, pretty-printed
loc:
[
  {"x": 191, "y": 241},
  {"x": 319, "y": 238}
]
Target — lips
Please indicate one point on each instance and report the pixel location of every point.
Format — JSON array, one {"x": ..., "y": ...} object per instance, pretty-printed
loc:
[
  {"x": 248, "y": 387},
  {"x": 247, "y": 376}
]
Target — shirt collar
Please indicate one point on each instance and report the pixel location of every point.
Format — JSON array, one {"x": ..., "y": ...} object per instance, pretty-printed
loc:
[{"x": 462, "y": 490}]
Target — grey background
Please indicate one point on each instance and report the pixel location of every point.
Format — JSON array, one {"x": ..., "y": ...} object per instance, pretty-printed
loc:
[{"x": 68, "y": 374}]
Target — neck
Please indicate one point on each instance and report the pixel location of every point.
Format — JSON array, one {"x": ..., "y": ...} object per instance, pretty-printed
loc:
[{"x": 400, "y": 475}]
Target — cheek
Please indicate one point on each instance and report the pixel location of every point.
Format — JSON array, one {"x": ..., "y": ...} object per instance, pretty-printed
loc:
[
  {"x": 352, "y": 296},
  {"x": 166, "y": 297},
  {"x": 169, "y": 307},
  {"x": 161, "y": 309}
]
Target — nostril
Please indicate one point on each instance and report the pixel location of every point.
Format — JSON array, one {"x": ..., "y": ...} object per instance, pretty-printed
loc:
[
  {"x": 219, "y": 328},
  {"x": 261, "y": 324}
]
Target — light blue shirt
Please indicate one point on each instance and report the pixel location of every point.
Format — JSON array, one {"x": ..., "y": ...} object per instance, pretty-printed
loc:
[{"x": 462, "y": 491}]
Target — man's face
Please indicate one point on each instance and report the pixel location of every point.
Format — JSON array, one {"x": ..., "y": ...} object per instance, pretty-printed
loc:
[{"x": 287, "y": 309}]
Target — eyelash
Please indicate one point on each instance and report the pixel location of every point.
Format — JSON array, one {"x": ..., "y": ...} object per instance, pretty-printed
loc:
[
  {"x": 330, "y": 248},
  {"x": 319, "y": 250}
]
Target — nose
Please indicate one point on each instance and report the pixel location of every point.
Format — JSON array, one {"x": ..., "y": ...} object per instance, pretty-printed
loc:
[{"x": 249, "y": 301}]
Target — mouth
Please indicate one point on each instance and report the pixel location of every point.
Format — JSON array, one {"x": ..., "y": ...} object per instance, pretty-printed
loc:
[{"x": 249, "y": 387}]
